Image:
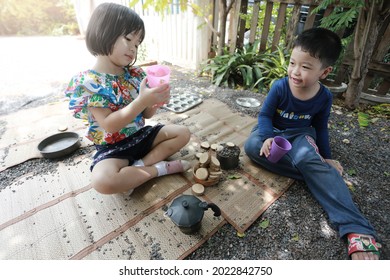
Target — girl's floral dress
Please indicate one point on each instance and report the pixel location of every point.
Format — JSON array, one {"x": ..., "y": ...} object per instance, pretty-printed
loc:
[{"x": 93, "y": 89}]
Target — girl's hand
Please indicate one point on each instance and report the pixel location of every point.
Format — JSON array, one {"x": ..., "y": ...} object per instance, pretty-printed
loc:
[
  {"x": 336, "y": 164},
  {"x": 266, "y": 148},
  {"x": 153, "y": 96}
]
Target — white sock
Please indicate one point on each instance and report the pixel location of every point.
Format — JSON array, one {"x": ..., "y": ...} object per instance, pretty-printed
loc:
[
  {"x": 161, "y": 168},
  {"x": 138, "y": 162}
]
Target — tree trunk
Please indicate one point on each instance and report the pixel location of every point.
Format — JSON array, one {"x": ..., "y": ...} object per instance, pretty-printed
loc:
[
  {"x": 369, "y": 22},
  {"x": 222, "y": 29},
  {"x": 292, "y": 26},
  {"x": 225, "y": 9}
]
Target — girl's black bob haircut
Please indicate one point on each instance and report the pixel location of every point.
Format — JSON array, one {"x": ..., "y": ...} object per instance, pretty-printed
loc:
[{"x": 108, "y": 22}]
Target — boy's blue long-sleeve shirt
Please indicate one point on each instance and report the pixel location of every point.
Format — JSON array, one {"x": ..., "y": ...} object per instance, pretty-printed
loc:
[{"x": 282, "y": 111}]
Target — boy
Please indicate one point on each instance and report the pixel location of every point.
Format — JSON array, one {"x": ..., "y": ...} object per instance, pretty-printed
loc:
[{"x": 297, "y": 108}]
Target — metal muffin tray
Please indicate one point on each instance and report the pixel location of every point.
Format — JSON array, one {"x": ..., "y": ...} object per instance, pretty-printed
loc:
[{"x": 179, "y": 103}]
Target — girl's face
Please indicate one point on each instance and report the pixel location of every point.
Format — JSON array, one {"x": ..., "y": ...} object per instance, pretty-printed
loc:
[
  {"x": 304, "y": 71},
  {"x": 125, "y": 49}
]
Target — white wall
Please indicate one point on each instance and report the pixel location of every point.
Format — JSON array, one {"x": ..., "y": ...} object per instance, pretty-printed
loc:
[{"x": 176, "y": 38}]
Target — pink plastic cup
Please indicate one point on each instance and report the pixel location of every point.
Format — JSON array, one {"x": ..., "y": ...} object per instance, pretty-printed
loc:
[
  {"x": 158, "y": 75},
  {"x": 280, "y": 146}
]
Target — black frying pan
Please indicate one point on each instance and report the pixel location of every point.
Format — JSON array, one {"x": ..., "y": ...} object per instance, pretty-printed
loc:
[{"x": 59, "y": 145}]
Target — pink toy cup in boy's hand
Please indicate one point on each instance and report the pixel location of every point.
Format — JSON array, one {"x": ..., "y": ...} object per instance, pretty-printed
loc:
[
  {"x": 158, "y": 75},
  {"x": 280, "y": 146}
]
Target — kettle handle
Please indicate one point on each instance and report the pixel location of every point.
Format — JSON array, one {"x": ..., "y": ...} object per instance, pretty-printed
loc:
[{"x": 215, "y": 208}]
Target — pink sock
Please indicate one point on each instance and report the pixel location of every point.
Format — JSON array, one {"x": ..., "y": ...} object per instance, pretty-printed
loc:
[{"x": 170, "y": 167}]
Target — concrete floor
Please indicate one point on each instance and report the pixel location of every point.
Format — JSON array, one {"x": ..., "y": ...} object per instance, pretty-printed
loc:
[{"x": 32, "y": 66}]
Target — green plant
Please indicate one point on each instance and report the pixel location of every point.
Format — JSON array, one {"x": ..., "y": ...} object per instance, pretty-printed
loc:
[
  {"x": 274, "y": 66},
  {"x": 248, "y": 68},
  {"x": 241, "y": 68},
  {"x": 340, "y": 17}
]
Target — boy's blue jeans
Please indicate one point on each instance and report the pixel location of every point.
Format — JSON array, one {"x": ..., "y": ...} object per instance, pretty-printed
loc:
[{"x": 303, "y": 162}]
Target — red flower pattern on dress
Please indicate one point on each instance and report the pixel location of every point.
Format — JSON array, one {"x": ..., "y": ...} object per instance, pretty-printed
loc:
[{"x": 114, "y": 137}]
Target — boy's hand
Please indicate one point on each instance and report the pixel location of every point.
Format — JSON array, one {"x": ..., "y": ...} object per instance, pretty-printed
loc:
[
  {"x": 152, "y": 96},
  {"x": 336, "y": 165},
  {"x": 266, "y": 148}
]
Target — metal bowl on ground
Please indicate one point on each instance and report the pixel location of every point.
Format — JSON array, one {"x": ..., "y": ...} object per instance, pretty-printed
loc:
[
  {"x": 59, "y": 145},
  {"x": 248, "y": 102}
]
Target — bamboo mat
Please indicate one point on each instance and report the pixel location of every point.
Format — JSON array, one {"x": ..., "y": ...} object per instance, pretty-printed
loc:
[
  {"x": 23, "y": 130},
  {"x": 59, "y": 216}
]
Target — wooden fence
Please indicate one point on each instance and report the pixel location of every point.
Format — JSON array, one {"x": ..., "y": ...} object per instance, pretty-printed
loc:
[{"x": 294, "y": 16}]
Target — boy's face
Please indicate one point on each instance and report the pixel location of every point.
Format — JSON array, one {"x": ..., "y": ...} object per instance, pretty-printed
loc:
[{"x": 304, "y": 71}]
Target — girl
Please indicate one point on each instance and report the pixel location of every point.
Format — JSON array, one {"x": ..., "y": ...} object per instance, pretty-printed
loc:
[{"x": 115, "y": 100}]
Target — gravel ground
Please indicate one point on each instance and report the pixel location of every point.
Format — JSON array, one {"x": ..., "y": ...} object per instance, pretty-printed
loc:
[{"x": 298, "y": 227}]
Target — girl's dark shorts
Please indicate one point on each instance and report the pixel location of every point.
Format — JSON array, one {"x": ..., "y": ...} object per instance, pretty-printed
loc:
[{"x": 132, "y": 148}]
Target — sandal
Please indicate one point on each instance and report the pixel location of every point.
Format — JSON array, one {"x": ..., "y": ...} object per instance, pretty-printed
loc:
[{"x": 362, "y": 243}]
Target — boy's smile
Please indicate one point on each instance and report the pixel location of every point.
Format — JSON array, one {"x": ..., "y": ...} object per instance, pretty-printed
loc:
[{"x": 304, "y": 72}]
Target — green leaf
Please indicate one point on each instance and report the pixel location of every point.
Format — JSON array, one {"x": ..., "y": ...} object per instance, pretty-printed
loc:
[
  {"x": 264, "y": 224},
  {"x": 363, "y": 119},
  {"x": 234, "y": 177},
  {"x": 132, "y": 3},
  {"x": 295, "y": 237},
  {"x": 351, "y": 172}
]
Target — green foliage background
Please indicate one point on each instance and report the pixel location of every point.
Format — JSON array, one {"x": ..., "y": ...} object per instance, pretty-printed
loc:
[{"x": 37, "y": 17}]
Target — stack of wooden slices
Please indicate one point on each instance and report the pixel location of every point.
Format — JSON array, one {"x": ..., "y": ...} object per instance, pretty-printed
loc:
[{"x": 207, "y": 171}]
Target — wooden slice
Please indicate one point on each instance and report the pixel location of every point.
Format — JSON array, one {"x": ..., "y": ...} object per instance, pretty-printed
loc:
[
  {"x": 219, "y": 148},
  {"x": 197, "y": 189},
  {"x": 212, "y": 178},
  {"x": 214, "y": 163},
  {"x": 204, "y": 160},
  {"x": 202, "y": 173},
  {"x": 205, "y": 145},
  {"x": 214, "y": 147},
  {"x": 62, "y": 128},
  {"x": 230, "y": 144}
]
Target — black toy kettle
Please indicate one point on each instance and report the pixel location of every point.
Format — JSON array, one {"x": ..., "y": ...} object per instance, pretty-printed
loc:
[{"x": 186, "y": 211}]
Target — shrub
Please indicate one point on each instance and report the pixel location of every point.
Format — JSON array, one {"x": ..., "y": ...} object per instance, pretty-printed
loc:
[{"x": 247, "y": 68}]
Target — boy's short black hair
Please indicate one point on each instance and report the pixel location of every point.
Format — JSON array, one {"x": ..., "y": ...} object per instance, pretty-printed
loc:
[
  {"x": 320, "y": 43},
  {"x": 108, "y": 22}
]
